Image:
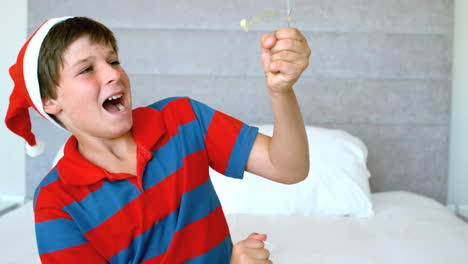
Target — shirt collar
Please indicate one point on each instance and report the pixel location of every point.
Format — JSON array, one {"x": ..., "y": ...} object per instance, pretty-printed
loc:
[{"x": 148, "y": 128}]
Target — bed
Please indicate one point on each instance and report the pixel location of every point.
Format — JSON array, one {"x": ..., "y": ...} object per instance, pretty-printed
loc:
[
  {"x": 406, "y": 228},
  {"x": 331, "y": 217}
]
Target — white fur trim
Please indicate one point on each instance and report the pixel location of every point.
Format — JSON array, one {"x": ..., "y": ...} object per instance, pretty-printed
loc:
[
  {"x": 34, "y": 151},
  {"x": 30, "y": 61}
]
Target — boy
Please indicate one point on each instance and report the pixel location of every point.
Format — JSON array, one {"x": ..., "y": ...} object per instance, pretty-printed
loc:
[{"x": 133, "y": 185}]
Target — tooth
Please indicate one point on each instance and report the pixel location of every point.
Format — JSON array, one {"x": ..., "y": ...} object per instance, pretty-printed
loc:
[
  {"x": 114, "y": 97},
  {"x": 120, "y": 106}
]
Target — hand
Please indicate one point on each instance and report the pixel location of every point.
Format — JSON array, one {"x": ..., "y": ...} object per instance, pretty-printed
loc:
[
  {"x": 251, "y": 251},
  {"x": 285, "y": 55}
]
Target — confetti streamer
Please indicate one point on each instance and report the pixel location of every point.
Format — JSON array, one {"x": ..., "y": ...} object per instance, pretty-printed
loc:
[
  {"x": 290, "y": 8},
  {"x": 245, "y": 26}
]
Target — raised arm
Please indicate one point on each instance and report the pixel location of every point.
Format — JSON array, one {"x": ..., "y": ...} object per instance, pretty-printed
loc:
[{"x": 284, "y": 157}]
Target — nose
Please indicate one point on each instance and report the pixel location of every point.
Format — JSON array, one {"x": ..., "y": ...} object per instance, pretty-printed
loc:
[{"x": 111, "y": 73}]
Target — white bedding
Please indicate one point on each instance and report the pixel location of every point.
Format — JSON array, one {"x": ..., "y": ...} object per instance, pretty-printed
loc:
[{"x": 406, "y": 228}]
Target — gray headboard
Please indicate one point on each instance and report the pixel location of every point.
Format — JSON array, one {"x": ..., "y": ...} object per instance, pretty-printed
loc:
[{"x": 380, "y": 70}]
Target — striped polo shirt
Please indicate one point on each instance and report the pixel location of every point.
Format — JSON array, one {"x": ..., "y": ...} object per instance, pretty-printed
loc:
[{"x": 168, "y": 213}]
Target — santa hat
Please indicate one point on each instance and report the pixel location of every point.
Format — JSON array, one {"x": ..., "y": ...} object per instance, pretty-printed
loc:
[{"x": 26, "y": 91}]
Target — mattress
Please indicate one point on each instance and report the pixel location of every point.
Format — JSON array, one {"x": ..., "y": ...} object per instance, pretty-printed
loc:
[{"x": 406, "y": 228}]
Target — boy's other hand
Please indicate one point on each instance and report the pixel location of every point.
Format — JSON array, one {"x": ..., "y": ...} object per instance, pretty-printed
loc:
[
  {"x": 251, "y": 250},
  {"x": 285, "y": 55}
]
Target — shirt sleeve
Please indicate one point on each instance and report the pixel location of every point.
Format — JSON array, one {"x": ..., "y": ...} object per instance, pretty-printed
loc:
[
  {"x": 228, "y": 140},
  {"x": 60, "y": 241}
]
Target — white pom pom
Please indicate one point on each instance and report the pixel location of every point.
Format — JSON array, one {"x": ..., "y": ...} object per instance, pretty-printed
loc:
[{"x": 34, "y": 151}]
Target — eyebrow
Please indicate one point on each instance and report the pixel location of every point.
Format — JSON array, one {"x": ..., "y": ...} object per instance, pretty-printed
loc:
[
  {"x": 110, "y": 53},
  {"x": 82, "y": 61}
]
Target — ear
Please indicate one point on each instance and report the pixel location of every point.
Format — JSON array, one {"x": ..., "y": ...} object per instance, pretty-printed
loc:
[{"x": 51, "y": 106}]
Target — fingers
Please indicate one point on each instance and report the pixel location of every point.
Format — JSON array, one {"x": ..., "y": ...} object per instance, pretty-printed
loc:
[
  {"x": 288, "y": 56},
  {"x": 258, "y": 236},
  {"x": 252, "y": 243},
  {"x": 257, "y": 253},
  {"x": 290, "y": 33},
  {"x": 287, "y": 61},
  {"x": 268, "y": 41},
  {"x": 290, "y": 44},
  {"x": 251, "y": 250},
  {"x": 285, "y": 56},
  {"x": 285, "y": 67},
  {"x": 290, "y": 39}
]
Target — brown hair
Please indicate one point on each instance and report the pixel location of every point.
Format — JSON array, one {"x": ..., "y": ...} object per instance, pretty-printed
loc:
[{"x": 57, "y": 41}]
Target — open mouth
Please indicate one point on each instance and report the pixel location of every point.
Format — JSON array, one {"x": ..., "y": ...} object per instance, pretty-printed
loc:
[{"x": 114, "y": 104}]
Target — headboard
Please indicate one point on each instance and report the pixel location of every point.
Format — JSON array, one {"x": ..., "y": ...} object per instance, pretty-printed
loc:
[{"x": 379, "y": 70}]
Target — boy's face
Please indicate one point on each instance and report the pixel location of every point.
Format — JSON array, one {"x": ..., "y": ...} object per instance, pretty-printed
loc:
[{"x": 93, "y": 92}]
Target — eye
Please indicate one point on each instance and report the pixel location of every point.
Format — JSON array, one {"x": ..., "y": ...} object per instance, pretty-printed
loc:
[
  {"x": 115, "y": 62},
  {"x": 86, "y": 70}
]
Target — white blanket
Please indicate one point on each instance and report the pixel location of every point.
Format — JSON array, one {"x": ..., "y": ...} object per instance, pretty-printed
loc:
[{"x": 406, "y": 228}]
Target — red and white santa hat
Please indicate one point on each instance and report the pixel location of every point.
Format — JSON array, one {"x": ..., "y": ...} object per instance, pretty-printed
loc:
[{"x": 26, "y": 92}]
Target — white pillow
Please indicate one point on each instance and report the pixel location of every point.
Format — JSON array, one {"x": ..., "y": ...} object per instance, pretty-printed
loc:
[{"x": 337, "y": 185}]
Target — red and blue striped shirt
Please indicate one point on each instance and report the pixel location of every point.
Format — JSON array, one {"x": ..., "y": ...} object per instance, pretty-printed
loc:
[{"x": 168, "y": 213}]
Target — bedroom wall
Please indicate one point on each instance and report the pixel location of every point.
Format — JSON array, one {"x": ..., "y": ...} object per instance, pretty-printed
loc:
[
  {"x": 13, "y": 24},
  {"x": 379, "y": 69}
]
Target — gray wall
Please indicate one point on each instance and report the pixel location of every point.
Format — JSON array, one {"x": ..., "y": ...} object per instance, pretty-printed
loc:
[
  {"x": 379, "y": 69},
  {"x": 13, "y": 23},
  {"x": 458, "y": 156}
]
